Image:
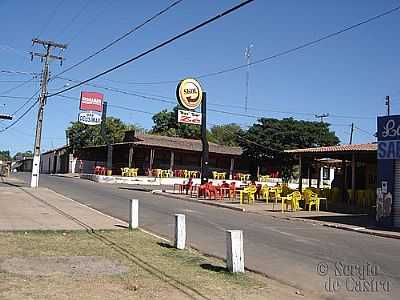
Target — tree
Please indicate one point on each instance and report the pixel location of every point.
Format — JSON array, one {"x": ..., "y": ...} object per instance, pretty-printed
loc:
[
  {"x": 226, "y": 134},
  {"x": 5, "y": 155},
  {"x": 23, "y": 154},
  {"x": 81, "y": 135},
  {"x": 267, "y": 139},
  {"x": 166, "y": 123}
]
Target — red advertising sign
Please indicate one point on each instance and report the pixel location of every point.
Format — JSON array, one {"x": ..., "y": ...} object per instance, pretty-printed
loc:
[{"x": 91, "y": 101}]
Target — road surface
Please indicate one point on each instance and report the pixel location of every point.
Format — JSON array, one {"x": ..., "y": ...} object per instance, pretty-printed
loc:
[{"x": 292, "y": 252}]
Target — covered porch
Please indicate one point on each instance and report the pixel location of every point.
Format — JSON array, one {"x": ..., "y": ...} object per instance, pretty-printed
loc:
[{"x": 355, "y": 169}]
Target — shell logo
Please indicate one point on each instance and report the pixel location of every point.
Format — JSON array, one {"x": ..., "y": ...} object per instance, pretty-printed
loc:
[{"x": 189, "y": 93}]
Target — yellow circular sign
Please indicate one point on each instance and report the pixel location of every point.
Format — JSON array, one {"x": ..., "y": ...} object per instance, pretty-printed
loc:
[{"x": 189, "y": 93}]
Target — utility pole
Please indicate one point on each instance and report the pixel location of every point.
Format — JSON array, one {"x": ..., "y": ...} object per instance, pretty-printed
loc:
[
  {"x": 351, "y": 133},
  {"x": 48, "y": 45},
  {"x": 321, "y": 117},
  {"x": 247, "y": 55},
  {"x": 387, "y": 103}
]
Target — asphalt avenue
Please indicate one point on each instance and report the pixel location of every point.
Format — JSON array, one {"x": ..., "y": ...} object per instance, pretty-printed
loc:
[{"x": 327, "y": 262}]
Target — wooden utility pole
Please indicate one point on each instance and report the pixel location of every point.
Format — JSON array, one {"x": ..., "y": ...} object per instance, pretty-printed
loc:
[
  {"x": 48, "y": 45},
  {"x": 351, "y": 133}
]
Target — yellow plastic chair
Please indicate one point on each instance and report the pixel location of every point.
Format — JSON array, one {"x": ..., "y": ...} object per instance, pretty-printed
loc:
[
  {"x": 277, "y": 191},
  {"x": 133, "y": 172},
  {"x": 186, "y": 173},
  {"x": 265, "y": 193},
  {"x": 293, "y": 199},
  {"x": 124, "y": 172},
  {"x": 311, "y": 199},
  {"x": 215, "y": 175},
  {"x": 250, "y": 192},
  {"x": 222, "y": 175}
]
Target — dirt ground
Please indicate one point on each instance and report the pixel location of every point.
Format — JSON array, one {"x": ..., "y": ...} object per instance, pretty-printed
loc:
[{"x": 118, "y": 265}]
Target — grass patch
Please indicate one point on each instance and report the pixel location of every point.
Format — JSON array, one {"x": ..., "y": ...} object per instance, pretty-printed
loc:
[{"x": 154, "y": 270}]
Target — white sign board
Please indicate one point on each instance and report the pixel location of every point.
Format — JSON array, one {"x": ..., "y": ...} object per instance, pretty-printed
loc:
[
  {"x": 89, "y": 118},
  {"x": 189, "y": 117}
]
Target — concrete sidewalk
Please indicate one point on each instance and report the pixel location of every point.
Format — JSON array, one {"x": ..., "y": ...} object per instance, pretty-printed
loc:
[{"x": 23, "y": 208}]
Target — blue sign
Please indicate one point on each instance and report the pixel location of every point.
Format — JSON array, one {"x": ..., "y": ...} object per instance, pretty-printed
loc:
[
  {"x": 389, "y": 149},
  {"x": 389, "y": 128},
  {"x": 389, "y": 137}
]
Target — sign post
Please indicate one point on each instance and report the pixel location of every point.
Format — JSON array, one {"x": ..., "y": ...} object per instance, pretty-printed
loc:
[
  {"x": 204, "y": 141},
  {"x": 190, "y": 95}
]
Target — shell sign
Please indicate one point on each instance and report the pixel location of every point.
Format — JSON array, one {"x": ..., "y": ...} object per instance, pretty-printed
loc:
[{"x": 189, "y": 93}]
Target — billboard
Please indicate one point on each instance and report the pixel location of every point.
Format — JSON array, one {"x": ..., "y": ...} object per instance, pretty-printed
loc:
[
  {"x": 189, "y": 117},
  {"x": 91, "y": 101},
  {"x": 389, "y": 137},
  {"x": 89, "y": 118}
]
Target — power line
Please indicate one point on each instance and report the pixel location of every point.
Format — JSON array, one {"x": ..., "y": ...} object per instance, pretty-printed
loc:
[
  {"x": 120, "y": 38},
  {"x": 285, "y": 52},
  {"x": 176, "y": 37},
  {"x": 19, "y": 73},
  {"x": 76, "y": 16},
  {"x": 364, "y": 131},
  {"x": 50, "y": 18},
  {"x": 26, "y": 103},
  {"x": 17, "y": 86},
  {"x": 20, "y": 117},
  {"x": 13, "y": 97},
  {"x": 112, "y": 105},
  {"x": 169, "y": 100},
  {"x": 91, "y": 21},
  {"x": 12, "y": 81}
]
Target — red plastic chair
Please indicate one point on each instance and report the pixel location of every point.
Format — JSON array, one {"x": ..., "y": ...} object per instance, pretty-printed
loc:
[
  {"x": 232, "y": 190},
  {"x": 97, "y": 170},
  {"x": 103, "y": 171}
]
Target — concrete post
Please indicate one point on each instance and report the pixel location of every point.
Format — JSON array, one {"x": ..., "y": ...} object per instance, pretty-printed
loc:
[
  {"x": 180, "y": 231},
  {"x": 234, "y": 251},
  {"x": 133, "y": 214}
]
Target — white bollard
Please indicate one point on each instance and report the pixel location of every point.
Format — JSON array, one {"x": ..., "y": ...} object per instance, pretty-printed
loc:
[
  {"x": 234, "y": 251},
  {"x": 180, "y": 231},
  {"x": 133, "y": 214}
]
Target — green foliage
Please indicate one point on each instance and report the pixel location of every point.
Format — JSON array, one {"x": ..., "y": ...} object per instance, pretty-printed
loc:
[
  {"x": 225, "y": 134},
  {"x": 5, "y": 155},
  {"x": 23, "y": 154},
  {"x": 268, "y": 138},
  {"x": 165, "y": 123},
  {"x": 81, "y": 135}
]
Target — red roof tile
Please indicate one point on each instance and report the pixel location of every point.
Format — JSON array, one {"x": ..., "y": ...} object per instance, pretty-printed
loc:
[{"x": 339, "y": 148}]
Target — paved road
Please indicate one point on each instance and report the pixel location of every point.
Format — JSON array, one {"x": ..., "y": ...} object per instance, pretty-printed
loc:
[{"x": 289, "y": 251}]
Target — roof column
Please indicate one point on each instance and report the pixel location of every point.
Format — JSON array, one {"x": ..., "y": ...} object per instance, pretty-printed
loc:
[
  {"x": 172, "y": 162},
  {"x": 232, "y": 167},
  {"x": 353, "y": 178},
  {"x": 344, "y": 179},
  {"x": 130, "y": 159},
  {"x": 300, "y": 174},
  {"x": 152, "y": 153}
]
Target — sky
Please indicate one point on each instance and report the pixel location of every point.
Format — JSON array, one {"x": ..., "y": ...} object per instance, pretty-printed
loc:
[{"x": 347, "y": 76}]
